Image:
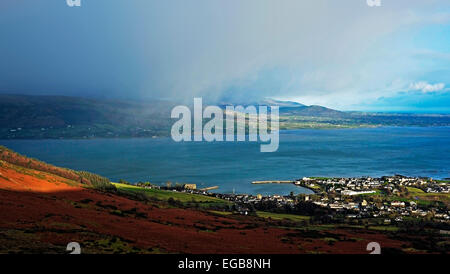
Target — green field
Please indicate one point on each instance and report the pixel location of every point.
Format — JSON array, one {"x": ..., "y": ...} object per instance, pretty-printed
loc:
[
  {"x": 280, "y": 216},
  {"x": 415, "y": 191},
  {"x": 222, "y": 213},
  {"x": 164, "y": 195},
  {"x": 384, "y": 228},
  {"x": 427, "y": 198}
]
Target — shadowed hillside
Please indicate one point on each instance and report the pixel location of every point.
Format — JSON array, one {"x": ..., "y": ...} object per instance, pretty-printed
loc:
[{"x": 23, "y": 116}]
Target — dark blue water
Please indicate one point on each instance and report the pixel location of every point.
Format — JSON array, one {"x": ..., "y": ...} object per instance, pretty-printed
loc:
[{"x": 343, "y": 153}]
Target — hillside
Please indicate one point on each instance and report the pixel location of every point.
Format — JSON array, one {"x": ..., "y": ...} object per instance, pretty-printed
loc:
[
  {"x": 24, "y": 116},
  {"x": 42, "y": 211},
  {"x": 313, "y": 111}
]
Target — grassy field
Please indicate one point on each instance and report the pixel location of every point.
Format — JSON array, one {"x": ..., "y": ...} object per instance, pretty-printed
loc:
[
  {"x": 222, "y": 213},
  {"x": 164, "y": 195},
  {"x": 279, "y": 216},
  {"x": 415, "y": 191},
  {"x": 427, "y": 198},
  {"x": 384, "y": 228}
]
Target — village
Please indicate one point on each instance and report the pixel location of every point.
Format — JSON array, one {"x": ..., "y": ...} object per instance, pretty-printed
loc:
[{"x": 388, "y": 199}]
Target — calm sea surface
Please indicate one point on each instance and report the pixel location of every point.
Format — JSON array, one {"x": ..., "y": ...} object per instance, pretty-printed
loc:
[{"x": 342, "y": 153}]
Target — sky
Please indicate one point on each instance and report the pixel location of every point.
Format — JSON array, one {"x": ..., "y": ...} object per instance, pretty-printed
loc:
[{"x": 339, "y": 54}]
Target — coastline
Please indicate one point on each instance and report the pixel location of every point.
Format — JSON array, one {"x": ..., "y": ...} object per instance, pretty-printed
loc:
[
  {"x": 294, "y": 182},
  {"x": 167, "y": 136}
]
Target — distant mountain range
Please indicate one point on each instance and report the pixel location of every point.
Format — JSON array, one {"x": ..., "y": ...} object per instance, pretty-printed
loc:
[
  {"x": 30, "y": 117},
  {"x": 267, "y": 102},
  {"x": 23, "y": 116},
  {"x": 294, "y": 108}
]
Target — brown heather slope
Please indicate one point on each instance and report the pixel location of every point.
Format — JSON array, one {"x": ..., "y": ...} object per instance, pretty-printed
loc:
[
  {"x": 41, "y": 212},
  {"x": 20, "y": 160}
]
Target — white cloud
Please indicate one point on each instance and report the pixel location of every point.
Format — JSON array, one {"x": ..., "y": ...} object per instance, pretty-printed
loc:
[{"x": 427, "y": 87}]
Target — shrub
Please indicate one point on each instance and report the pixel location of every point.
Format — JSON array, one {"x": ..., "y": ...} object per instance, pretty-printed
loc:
[{"x": 97, "y": 181}]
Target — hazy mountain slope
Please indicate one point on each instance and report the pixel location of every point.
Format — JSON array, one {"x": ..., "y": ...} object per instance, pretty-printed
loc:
[
  {"x": 24, "y": 116},
  {"x": 39, "y": 111},
  {"x": 313, "y": 111}
]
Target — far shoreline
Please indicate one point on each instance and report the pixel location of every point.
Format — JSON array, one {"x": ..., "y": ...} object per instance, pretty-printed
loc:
[{"x": 168, "y": 137}]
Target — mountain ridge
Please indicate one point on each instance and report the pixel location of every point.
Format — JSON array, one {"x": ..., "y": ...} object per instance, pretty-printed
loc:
[{"x": 42, "y": 117}]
